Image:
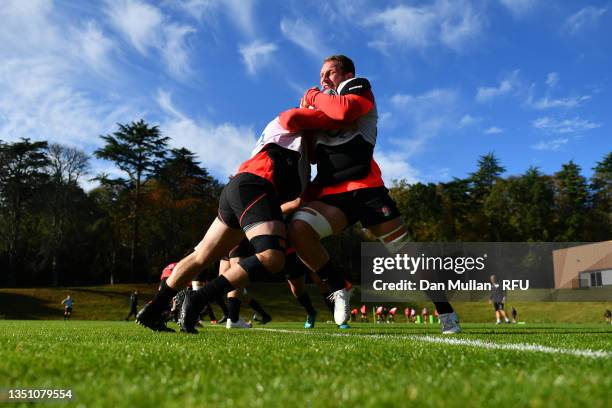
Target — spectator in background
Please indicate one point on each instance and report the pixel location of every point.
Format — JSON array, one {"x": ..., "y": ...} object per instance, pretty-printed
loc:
[
  {"x": 68, "y": 302},
  {"x": 498, "y": 299},
  {"x": 133, "y": 305}
]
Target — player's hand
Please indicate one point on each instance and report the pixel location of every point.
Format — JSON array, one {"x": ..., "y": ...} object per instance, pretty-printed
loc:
[{"x": 307, "y": 99}]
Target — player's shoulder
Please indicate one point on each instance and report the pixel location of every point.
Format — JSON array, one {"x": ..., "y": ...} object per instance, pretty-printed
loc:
[{"x": 354, "y": 86}]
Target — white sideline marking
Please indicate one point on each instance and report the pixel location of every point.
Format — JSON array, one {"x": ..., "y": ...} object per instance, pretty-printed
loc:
[{"x": 461, "y": 342}]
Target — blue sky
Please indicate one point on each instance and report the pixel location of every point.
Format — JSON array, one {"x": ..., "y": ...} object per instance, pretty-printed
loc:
[{"x": 528, "y": 80}]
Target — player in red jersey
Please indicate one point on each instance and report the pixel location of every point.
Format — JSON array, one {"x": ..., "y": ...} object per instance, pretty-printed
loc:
[
  {"x": 364, "y": 313},
  {"x": 354, "y": 314},
  {"x": 392, "y": 313},
  {"x": 250, "y": 205},
  {"x": 379, "y": 314},
  {"x": 348, "y": 186}
]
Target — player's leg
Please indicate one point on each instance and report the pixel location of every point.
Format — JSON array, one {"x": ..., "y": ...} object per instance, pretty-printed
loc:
[
  {"x": 295, "y": 272},
  {"x": 308, "y": 226},
  {"x": 218, "y": 240}
]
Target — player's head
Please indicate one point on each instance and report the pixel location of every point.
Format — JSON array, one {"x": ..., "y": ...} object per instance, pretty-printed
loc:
[
  {"x": 493, "y": 279},
  {"x": 336, "y": 69}
]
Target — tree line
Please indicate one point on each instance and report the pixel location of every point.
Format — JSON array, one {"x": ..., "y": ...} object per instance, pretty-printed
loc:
[{"x": 159, "y": 204}]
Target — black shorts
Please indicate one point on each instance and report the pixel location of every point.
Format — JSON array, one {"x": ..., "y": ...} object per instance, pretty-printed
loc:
[
  {"x": 370, "y": 206},
  {"x": 247, "y": 200},
  {"x": 498, "y": 306},
  {"x": 68, "y": 310}
]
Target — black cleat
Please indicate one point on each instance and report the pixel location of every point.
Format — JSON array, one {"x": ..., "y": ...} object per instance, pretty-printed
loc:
[
  {"x": 265, "y": 319},
  {"x": 150, "y": 317},
  {"x": 190, "y": 312}
]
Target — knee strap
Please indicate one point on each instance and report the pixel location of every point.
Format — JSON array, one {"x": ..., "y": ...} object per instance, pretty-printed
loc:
[
  {"x": 315, "y": 219},
  {"x": 262, "y": 243},
  {"x": 252, "y": 264},
  {"x": 396, "y": 236}
]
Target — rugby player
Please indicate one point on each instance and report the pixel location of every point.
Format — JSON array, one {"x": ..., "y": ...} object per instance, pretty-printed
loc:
[{"x": 348, "y": 186}]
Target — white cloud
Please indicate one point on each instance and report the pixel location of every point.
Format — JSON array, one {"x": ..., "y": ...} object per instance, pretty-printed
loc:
[
  {"x": 583, "y": 18},
  {"x": 146, "y": 28},
  {"x": 573, "y": 125},
  {"x": 221, "y": 147},
  {"x": 493, "y": 130},
  {"x": 395, "y": 167},
  {"x": 552, "y": 79},
  {"x": 306, "y": 36},
  {"x": 453, "y": 24},
  {"x": 519, "y": 8},
  {"x": 567, "y": 103},
  {"x": 506, "y": 85},
  {"x": 468, "y": 120},
  {"x": 175, "y": 50},
  {"x": 139, "y": 22},
  {"x": 423, "y": 117},
  {"x": 256, "y": 55},
  {"x": 552, "y": 145},
  {"x": 240, "y": 13}
]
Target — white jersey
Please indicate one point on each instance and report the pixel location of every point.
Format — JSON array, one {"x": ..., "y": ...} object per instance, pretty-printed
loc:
[
  {"x": 366, "y": 126},
  {"x": 275, "y": 133}
]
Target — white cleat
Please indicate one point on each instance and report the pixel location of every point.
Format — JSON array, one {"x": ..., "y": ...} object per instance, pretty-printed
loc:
[
  {"x": 239, "y": 324},
  {"x": 342, "y": 306},
  {"x": 450, "y": 323}
]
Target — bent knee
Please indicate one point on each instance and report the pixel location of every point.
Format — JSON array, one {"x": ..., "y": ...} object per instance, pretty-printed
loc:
[{"x": 272, "y": 259}]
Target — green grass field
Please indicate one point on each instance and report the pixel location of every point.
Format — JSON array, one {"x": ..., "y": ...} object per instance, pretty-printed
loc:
[{"x": 120, "y": 364}]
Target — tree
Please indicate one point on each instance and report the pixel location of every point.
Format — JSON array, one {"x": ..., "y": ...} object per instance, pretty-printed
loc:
[
  {"x": 481, "y": 184},
  {"x": 22, "y": 174},
  {"x": 66, "y": 166},
  {"x": 137, "y": 149},
  {"x": 571, "y": 197},
  {"x": 600, "y": 215}
]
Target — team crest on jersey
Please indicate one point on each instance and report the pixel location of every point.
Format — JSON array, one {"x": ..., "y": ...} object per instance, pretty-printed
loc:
[{"x": 386, "y": 211}]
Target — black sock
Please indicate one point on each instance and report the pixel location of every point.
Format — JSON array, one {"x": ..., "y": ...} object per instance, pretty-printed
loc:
[
  {"x": 233, "y": 306},
  {"x": 163, "y": 298},
  {"x": 443, "y": 307},
  {"x": 221, "y": 303},
  {"x": 304, "y": 300},
  {"x": 216, "y": 287},
  {"x": 257, "y": 307},
  {"x": 331, "y": 276},
  {"x": 328, "y": 302}
]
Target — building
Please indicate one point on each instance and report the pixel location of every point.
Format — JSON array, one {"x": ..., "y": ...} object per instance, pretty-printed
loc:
[{"x": 583, "y": 266}]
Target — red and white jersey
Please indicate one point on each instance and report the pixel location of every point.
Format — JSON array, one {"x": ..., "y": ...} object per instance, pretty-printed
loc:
[
  {"x": 275, "y": 133},
  {"x": 413, "y": 312},
  {"x": 354, "y": 312},
  {"x": 365, "y": 125},
  {"x": 364, "y": 309},
  {"x": 393, "y": 310},
  {"x": 379, "y": 310},
  {"x": 407, "y": 311}
]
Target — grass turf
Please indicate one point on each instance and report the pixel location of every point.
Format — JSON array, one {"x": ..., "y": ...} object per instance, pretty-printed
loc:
[{"x": 119, "y": 364}]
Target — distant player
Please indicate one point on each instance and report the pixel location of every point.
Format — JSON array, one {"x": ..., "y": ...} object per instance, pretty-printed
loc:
[
  {"x": 425, "y": 315},
  {"x": 608, "y": 316},
  {"x": 515, "y": 314},
  {"x": 407, "y": 314},
  {"x": 354, "y": 315},
  {"x": 392, "y": 313},
  {"x": 498, "y": 299},
  {"x": 379, "y": 312},
  {"x": 68, "y": 302},
  {"x": 133, "y": 305},
  {"x": 413, "y": 314},
  {"x": 364, "y": 313}
]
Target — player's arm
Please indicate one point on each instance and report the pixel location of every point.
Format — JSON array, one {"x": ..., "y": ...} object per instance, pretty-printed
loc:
[
  {"x": 345, "y": 108},
  {"x": 297, "y": 119},
  {"x": 290, "y": 207}
]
